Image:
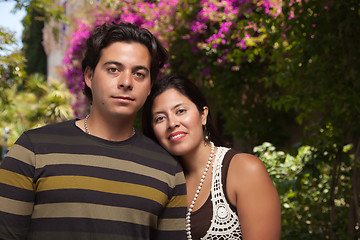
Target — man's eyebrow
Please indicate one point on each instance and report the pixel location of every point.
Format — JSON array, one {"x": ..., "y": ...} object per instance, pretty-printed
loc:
[
  {"x": 113, "y": 62},
  {"x": 141, "y": 67},
  {"x": 119, "y": 64}
]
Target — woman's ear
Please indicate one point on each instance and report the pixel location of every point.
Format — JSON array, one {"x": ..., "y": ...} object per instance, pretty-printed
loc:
[
  {"x": 88, "y": 75},
  {"x": 204, "y": 115}
]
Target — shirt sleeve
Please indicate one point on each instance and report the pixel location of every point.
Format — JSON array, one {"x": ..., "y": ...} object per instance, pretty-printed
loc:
[
  {"x": 171, "y": 223},
  {"x": 17, "y": 190}
]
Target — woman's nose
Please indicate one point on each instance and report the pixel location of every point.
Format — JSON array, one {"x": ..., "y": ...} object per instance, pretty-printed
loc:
[{"x": 173, "y": 122}]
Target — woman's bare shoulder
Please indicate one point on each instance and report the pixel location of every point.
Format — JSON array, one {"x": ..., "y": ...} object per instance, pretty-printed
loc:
[{"x": 247, "y": 163}]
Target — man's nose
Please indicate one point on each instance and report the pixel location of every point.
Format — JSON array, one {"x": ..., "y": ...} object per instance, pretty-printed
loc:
[{"x": 125, "y": 81}]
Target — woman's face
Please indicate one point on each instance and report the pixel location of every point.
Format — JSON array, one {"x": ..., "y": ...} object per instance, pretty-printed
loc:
[{"x": 177, "y": 123}]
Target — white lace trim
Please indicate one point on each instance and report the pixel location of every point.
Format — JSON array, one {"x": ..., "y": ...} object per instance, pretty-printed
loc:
[{"x": 225, "y": 223}]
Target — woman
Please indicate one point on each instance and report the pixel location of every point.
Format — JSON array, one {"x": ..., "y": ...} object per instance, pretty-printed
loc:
[{"x": 230, "y": 194}]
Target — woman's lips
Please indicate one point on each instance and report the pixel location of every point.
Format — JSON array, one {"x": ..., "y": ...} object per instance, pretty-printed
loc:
[{"x": 176, "y": 136}]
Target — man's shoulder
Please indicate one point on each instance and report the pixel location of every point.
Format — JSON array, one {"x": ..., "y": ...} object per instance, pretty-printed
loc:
[
  {"x": 153, "y": 148},
  {"x": 151, "y": 144},
  {"x": 58, "y": 126},
  {"x": 45, "y": 134},
  {"x": 51, "y": 131}
]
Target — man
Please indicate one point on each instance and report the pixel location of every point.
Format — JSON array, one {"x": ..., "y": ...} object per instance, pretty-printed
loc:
[{"x": 97, "y": 178}]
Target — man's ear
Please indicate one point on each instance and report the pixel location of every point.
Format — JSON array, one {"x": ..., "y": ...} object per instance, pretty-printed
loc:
[
  {"x": 88, "y": 75},
  {"x": 204, "y": 115}
]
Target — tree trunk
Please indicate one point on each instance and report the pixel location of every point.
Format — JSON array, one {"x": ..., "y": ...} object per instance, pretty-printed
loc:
[
  {"x": 334, "y": 183},
  {"x": 354, "y": 216}
]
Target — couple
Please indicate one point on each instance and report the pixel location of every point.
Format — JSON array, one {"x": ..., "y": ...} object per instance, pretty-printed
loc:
[{"x": 97, "y": 178}]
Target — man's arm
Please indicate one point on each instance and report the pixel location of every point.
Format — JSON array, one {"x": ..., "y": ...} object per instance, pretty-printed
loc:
[
  {"x": 17, "y": 190},
  {"x": 171, "y": 223}
]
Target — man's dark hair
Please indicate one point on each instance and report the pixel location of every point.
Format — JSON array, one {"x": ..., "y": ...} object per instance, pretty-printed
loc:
[{"x": 106, "y": 34}]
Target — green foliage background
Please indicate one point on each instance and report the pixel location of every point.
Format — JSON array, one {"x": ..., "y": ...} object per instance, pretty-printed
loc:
[
  {"x": 32, "y": 42},
  {"x": 27, "y": 99},
  {"x": 298, "y": 84}
]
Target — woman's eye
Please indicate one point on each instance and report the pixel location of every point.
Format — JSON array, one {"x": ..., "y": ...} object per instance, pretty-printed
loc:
[
  {"x": 180, "y": 111},
  {"x": 159, "y": 119}
]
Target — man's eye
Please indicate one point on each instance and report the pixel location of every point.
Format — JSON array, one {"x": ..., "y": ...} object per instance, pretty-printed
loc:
[
  {"x": 113, "y": 70},
  {"x": 139, "y": 75}
]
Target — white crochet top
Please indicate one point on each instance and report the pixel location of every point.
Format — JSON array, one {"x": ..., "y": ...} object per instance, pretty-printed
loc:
[{"x": 225, "y": 223}]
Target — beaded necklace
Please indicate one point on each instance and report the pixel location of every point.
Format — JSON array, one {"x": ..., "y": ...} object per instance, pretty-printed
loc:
[{"x": 188, "y": 214}]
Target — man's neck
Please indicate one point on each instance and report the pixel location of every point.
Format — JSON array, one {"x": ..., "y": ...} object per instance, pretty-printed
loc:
[{"x": 108, "y": 128}]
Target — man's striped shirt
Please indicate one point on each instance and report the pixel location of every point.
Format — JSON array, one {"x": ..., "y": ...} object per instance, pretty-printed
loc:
[{"x": 58, "y": 182}]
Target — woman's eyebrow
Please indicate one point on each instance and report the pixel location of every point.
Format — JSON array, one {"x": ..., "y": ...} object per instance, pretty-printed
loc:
[{"x": 174, "y": 107}]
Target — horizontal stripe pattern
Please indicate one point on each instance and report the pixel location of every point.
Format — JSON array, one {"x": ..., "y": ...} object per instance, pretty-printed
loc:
[
  {"x": 94, "y": 211},
  {"x": 101, "y": 185},
  {"x": 102, "y": 198},
  {"x": 15, "y": 207},
  {"x": 22, "y": 154},
  {"x": 16, "y": 180},
  {"x": 78, "y": 184},
  {"x": 15, "y": 193},
  {"x": 85, "y": 228},
  {"x": 82, "y": 236},
  {"x": 102, "y": 162},
  {"x": 170, "y": 224}
]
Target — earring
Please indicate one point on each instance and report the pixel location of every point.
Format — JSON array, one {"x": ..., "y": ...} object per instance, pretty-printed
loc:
[{"x": 206, "y": 134}]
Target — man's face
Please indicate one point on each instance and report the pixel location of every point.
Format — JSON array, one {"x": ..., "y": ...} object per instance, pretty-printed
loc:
[{"x": 121, "y": 81}]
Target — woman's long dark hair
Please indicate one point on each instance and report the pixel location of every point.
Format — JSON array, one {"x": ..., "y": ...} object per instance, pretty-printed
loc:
[{"x": 188, "y": 89}]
